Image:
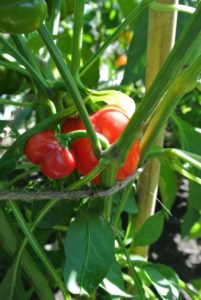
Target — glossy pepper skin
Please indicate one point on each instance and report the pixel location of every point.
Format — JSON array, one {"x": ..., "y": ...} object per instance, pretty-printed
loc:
[
  {"x": 39, "y": 145},
  {"x": 110, "y": 122},
  {"x": 45, "y": 150},
  {"x": 58, "y": 163},
  {"x": 21, "y": 16}
]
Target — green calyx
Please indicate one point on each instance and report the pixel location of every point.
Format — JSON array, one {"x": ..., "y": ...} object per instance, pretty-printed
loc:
[
  {"x": 21, "y": 16},
  {"x": 66, "y": 139},
  {"x": 113, "y": 157}
]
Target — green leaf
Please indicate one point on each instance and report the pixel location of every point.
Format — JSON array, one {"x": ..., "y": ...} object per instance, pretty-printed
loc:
[
  {"x": 131, "y": 205},
  {"x": 164, "y": 280},
  {"x": 150, "y": 230},
  {"x": 126, "y": 6},
  {"x": 135, "y": 68},
  {"x": 6, "y": 167},
  {"x": 89, "y": 249},
  {"x": 168, "y": 185},
  {"x": 113, "y": 283},
  {"x": 9, "y": 292},
  {"x": 91, "y": 77},
  {"x": 190, "y": 139},
  {"x": 64, "y": 43},
  {"x": 191, "y": 217}
]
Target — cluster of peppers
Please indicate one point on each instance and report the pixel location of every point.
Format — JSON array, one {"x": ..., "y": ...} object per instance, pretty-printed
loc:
[
  {"x": 44, "y": 148},
  {"x": 57, "y": 162}
]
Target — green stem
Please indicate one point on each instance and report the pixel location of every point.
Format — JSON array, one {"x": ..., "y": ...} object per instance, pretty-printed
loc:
[
  {"x": 177, "y": 166},
  {"x": 15, "y": 103},
  {"x": 131, "y": 17},
  {"x": 121, "y": 205},
  {"x": 38, "y": 250},
  {"x": 41, "y": 83},
  {"x": 78, "y": 134},
  {"x": 108, "y": 180},
  {"x": 89, "y": 177},
  {"x": 189, "y": 291},
  {"x": 71, "y": 86},
  {"x": 167, "y": 73},
  {"x": 136, "y": 278},
  {"x": 22, "y": 175},
  {"x": 13, "y": 66},
  {"x": 77, "y": 35},
  {"x": 172, "y": 153},
  {"x": 22, "y": 47},
  {"x": 53, "y": 22}
]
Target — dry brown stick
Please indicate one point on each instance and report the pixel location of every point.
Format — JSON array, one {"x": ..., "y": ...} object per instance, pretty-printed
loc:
[{"x": 69, "y": 195}]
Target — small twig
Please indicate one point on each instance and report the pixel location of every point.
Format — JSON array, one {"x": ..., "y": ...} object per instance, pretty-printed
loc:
[{"x": 71, "y": 195}]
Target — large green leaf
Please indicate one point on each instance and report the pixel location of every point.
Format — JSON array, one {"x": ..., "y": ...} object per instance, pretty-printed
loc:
[
  {"x": 168, "y": 185},
  {"x": 135, "y": 68},
  {"x": 89, "y": 250},
  {"x": 150, "y": 230},
  {"x": 190, "y": 139}
]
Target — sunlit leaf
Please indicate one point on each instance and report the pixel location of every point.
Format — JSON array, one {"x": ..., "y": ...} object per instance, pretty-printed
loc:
[
  {"x": 150, "y": 230},
  {"x": 89, "y": 250}
]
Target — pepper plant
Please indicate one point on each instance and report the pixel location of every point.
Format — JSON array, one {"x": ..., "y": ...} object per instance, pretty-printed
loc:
[{"x": 90, "y": 140}]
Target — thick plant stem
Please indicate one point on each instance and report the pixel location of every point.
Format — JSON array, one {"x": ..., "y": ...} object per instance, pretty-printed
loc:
[
  {"x": 77, "y": 35},
  {"x": 161, "y": 37},
  {"x": 71, "y": 87}
]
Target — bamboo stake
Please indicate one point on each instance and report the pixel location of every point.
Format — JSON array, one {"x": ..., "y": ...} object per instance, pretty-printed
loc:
[{"x": 161, "y": 38}]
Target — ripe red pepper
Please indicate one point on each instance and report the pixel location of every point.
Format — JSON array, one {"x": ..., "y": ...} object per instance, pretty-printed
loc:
[
  {"x": 58, "y": 163},
  {"x": 55, "y": 161},
  {"x": 39, "y": 145},
  {"x": 110, "y": 122}
]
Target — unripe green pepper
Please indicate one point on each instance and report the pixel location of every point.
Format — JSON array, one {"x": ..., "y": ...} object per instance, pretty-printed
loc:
[{"x": 21, "y": 16}]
